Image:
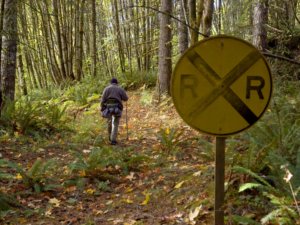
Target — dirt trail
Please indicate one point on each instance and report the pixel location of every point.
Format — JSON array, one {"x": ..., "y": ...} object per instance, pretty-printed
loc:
[{"x": 174, "y": 187}]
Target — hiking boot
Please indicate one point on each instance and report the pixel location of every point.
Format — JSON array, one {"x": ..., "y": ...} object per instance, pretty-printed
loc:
[{"x": 113, "y": 142}]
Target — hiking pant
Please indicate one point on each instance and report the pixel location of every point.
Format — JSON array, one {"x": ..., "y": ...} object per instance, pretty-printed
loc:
[{"x": 113, "y": 125}]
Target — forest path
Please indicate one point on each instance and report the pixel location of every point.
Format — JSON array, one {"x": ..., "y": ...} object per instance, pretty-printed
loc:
[{"x": 174, "y": 185}]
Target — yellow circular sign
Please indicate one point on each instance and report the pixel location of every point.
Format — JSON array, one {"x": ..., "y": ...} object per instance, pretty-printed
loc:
[{"x": 221, "y": 86}]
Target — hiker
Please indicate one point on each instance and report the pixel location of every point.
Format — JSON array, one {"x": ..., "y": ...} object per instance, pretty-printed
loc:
[{"x": 112, "y": 107}]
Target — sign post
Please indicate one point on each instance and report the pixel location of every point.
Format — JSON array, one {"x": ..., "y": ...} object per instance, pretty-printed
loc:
[
  {"x": 221, "y": 86},
  {"x": 219, "y": 180}
]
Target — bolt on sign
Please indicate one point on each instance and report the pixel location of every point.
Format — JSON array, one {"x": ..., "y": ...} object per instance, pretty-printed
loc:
[{"x": 221, "y": 86}]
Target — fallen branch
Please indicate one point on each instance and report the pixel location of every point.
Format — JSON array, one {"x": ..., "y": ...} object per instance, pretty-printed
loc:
[{"x": 281, "y": 58}]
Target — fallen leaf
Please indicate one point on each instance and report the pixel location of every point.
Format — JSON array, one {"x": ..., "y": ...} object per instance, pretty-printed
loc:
[
  {"x": 147, "y": 198},
  {"x": 90, "y": 191},
  {"x": 130, "y": 176},
  {"x": 82, "y": 173},
  {"x": 194, "y": 213},
  {"x": 54, "y": 201},
  {"x": 128, "y": 190},
  {"x": 129, "y": 201},
  {"x": 179, "y": 185},
  {"x": 18, "y": 176}
]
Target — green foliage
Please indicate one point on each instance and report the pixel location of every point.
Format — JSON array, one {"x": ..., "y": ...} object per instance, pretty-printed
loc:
[
  {"x": 170, "y": 138},
  {"x": 274, "y": 140},
  {"x": 146, "y": 97},
  {"x": 81, "y": 92},
  {"x": 283, "y": 211},
  {"x": 54, "y": 113},
  {"x": 6, "y": 202},
  {"x": 265, "y": 185},
  {"x": 88, "y": 129},
  {"x": 103, "y": 160},
  {"x": 27, "y": 116},
  {"x": 5, "y": 175},
  {"x": 243, "y": 220},
  {"x": 137, "y": 79},
  {"x": 40, "y": 176}
]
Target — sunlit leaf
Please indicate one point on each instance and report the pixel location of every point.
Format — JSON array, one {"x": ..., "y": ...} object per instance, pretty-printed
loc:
[
  {"x": 179, "y": 185},
  {"x": 194, "y": 213},
  {"x": 18, "y": 176},
  {"x": 147, "y": 198},
  {"x": 82, "y": 173},
  {"x": 90, "y": 191},
  {"x": 129, "y": 201},
  {"x": 55, "y": 202}
]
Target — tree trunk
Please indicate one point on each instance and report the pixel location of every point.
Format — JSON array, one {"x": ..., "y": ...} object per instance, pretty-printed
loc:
[
  {"x": 94, "y": 40},
  {"x": 165, "y": 48},
  {"x": 193, "y": 21},
  {"x": 260, "y": 15},
  {"x": 79, "y": 14},
  {"x": 1, "y": 31},
  {"x": 9, "y": 49},
  {"x": 182, "y": 28},
  {"x": 59, "y": 39},
  {"x": 208, "y": 16},
  {"x": 118, "y": 35},
  {"x": 22, "y": 83}
]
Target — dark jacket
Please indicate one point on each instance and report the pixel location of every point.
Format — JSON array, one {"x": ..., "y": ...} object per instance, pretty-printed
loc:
[{"x": 113, "y": 91}]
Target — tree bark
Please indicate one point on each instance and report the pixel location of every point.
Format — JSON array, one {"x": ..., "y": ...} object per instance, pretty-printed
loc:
[
  {"x": 80, "y": 4},
  {"x": 1, "y": 31},
  {"x": 22, "y": 83},
  {"x": 118, "y": 35},
  {"x": 94, "y": 38},
  {"x": 260, "y": 15},
  {"x": 59, "y": 39},
  {"x": 193, "y": 21},
  {"x": 208, "y": 17},
  {"x": 9, "y": 49},
  {"x": 165, "y": 48},
  {"x": 183, "y": 35}
]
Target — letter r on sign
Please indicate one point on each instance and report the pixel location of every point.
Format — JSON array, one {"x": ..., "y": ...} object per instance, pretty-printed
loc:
[
  {"x": 255, "y": 83},
  {"x": 188, "y": 82}
]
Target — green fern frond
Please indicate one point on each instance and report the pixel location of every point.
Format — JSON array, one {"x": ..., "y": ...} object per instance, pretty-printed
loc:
[
  {"x": 243, "y": 170},
  {"x": 248, "y": 186},
  {"x": 244, "y": 220}
]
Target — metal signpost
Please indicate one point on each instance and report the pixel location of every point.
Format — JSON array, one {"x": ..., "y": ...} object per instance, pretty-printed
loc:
[{"x": 221, "y": 86}]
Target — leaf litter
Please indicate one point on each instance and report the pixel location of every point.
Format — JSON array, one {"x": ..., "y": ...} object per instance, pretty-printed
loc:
[{"x": 161, "y": 192}]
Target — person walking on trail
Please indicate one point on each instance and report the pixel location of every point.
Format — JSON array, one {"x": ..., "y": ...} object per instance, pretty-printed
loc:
[{"x": 112, "y": 107}]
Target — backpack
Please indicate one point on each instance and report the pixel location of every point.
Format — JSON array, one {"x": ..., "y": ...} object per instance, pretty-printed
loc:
[{"x": 112, "y": 108}]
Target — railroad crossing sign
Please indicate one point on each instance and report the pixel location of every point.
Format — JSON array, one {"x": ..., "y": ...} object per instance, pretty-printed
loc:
[{"x": 221, "y": 86}]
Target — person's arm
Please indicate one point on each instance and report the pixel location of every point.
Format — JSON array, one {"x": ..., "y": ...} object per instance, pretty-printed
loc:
[
  {"x": 124, "y": 96},
  {"x": 103, "y": 99}
]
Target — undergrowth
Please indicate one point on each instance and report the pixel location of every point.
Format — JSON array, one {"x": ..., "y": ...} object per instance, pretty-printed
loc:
[{"x": 260, "y": 154}]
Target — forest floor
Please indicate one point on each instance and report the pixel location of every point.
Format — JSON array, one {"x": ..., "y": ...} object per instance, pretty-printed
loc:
[{"x": 174, "y": 186}]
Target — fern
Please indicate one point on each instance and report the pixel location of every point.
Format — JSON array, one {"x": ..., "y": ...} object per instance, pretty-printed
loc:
[
  {"x": 170, "y": 138},
  {"x": 244, "y": 220},
  {"x": 4, "y": 175},
  {"x": 256, "y": 176},
  {"x": 283, "y": 216},
  {"x": 248, "y": 186},
  {"x": 38, "y": 177}
]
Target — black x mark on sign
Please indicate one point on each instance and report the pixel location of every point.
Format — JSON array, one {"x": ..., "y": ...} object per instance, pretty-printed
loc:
[{"x": 221, "y": 86}]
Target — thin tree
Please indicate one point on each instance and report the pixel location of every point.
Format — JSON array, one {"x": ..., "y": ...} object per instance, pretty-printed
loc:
[
  {"x": 182, "y": 28},
  {"x": 1, "y": 31},
  {"x": 165, "y": 48},
  {"x": 260, "y": 17},
  {"x": 208, "y": 17},
  {"x": 94, "y": 37},
  {"x": 9, "y": 50}
]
